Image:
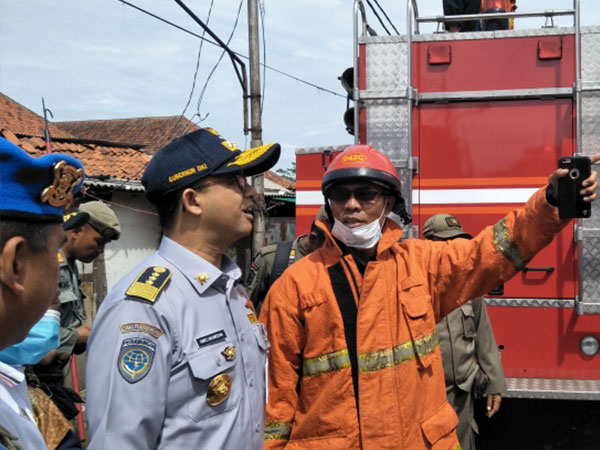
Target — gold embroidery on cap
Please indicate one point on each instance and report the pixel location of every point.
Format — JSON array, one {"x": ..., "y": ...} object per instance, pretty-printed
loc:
[
  {"x": 60, "y": 192},
  {"x": 250, "y": 155},
  {"x": 182, "y": 174}
]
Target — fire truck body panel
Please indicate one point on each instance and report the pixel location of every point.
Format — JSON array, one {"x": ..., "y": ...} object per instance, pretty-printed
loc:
[{"x": 474, "y": 131}]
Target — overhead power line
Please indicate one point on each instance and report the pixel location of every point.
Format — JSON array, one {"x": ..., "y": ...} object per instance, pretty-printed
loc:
[
  {"x": 378, "y": 18},
  {"x": 281, "y": 72},
  {"x": 386, "y": 16}
]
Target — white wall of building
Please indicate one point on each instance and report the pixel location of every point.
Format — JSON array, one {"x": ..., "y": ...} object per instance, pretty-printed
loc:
[{"x": 139, "y": 236}]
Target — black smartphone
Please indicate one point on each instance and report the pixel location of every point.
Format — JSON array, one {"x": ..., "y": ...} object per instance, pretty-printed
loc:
[{"x": 570, "y": 201}]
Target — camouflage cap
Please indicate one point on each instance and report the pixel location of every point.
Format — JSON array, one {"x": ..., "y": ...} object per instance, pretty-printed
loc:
[
  {"x": 102, "y": 219},
  {"x": 322, "y": 214},
  {"x": 443, "y": 226}
]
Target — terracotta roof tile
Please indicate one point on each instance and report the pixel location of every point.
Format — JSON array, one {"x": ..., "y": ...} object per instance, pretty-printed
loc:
[
  {"x": 20, "y": 120},
  {"x": 149, "y": 132},
  {"x": 101, "y": 159},
  {"x": 281, "y": 181}
]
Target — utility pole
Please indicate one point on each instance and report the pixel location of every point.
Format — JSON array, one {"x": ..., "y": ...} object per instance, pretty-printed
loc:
[{"x": 258, "y": 234}]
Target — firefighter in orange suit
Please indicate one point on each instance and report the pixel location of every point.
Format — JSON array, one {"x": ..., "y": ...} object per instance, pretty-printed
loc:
[{"x": 355, "y": 359}]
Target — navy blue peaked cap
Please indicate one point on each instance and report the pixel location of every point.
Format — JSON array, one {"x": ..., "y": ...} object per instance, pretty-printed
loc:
[
  {"x": 201, "y": 154},
  {"x": 37, "y": 189}
]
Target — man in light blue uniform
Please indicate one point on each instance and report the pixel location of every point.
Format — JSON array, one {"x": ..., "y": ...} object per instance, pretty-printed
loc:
[
  {"x": 34, "y": 192},
  {"x": 176, "y": 358}
]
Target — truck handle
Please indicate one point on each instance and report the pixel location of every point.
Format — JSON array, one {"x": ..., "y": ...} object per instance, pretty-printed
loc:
[
  {"x": 326, "y": 158},
  {"x": 538, "y": 269}
]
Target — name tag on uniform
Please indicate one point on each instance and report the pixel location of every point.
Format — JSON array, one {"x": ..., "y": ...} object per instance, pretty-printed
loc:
[{"x": 212, "y": 338}]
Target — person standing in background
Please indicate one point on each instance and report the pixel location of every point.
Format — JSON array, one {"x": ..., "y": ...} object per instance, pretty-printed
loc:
[{"x": 470, "y": 356}]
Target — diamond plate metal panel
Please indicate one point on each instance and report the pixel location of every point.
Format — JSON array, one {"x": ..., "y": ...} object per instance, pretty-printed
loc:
[
  {"x": 530, "y": 302},
  {"x": 591, "y": 270},
  {"x": 590, "y": 121},
  {"x": 553, "y": 388},
  {"x": 590, "y": 56},
  {"x": 387, "y": 66},
  {"x": 496, "y": 34},
  {"x": 387, "y": 128}
]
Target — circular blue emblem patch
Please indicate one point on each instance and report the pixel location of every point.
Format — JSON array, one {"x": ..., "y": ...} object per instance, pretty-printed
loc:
[{"x": 135, "y": 358}]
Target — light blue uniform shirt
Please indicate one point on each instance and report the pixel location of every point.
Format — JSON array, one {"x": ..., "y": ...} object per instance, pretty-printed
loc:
[
  {"x": 15, "y": 408},
  {"x": 150, "y": 363}
]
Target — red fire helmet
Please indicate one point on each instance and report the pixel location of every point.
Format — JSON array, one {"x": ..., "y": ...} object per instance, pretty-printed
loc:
[{"x": 365, "y": 163}]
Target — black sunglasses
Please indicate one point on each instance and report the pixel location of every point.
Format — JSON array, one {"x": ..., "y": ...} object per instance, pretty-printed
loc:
[{"x": 363, "y": 195}]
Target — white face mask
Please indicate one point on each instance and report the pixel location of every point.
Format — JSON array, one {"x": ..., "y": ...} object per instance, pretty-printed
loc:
[{"x": 365, "y": 236}]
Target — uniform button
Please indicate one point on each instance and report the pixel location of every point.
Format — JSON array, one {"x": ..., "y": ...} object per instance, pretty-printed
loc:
[
  {"x": 219, "y": 362},
  {"x": 257, "y": 427},
  {"x": 250, "y": 382},
  {"x": 242, "y": 338}
]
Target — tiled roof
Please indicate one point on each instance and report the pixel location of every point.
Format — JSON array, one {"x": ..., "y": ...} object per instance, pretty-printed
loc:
[
  {"x": 99, "y": 160},
  {"x": 20, "y": 120},
  {"x": 102, "y": 160},
  {"x": 281, "y": 181},
  {"x": 149, "y": 132}
]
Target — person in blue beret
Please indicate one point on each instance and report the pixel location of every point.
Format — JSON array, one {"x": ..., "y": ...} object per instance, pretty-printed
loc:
[{"x": 34, "y": 192}]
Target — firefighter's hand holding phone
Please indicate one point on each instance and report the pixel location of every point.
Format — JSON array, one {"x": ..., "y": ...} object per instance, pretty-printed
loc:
[{"x": 574, "y": 185}]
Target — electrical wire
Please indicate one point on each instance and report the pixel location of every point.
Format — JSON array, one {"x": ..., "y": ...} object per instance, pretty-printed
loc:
[
  {"x": 261, "y": 10},
  {"x": 281, "y": 72},
  {"x": 378, "y": 18},
  {"x": 237, "y": 18},
  {"x": 174, "y": 130},
  {"x": 386, "y": 16}
]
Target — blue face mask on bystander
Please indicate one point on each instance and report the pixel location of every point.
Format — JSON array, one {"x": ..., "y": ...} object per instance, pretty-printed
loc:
[{"x": 43, "y": 337}]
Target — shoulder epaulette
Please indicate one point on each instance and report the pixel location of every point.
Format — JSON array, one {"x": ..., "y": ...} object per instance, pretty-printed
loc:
[{"x": 149, "y": 283}]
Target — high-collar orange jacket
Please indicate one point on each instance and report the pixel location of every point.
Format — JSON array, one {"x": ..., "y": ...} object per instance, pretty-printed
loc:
[{"x": 403, "y": 293}]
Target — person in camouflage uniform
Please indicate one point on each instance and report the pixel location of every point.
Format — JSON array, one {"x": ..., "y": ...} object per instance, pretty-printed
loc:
[
  {"x": 84, "y": 243},
  {"x": 470, "y": 355},
  {"x": 263, "y": 273}
]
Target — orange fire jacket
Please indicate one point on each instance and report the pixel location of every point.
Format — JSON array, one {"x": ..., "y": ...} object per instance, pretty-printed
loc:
[{"x": 403, "y": 293}]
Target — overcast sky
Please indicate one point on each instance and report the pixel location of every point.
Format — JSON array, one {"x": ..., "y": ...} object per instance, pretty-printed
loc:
[{"x": 101, "y": 59}]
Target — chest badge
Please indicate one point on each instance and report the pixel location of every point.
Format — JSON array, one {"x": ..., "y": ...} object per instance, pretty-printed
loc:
[
  {"x": 229, "y": 353},
  {"x": 202, "y": 278},
  {"x": 252, "y": 317},
  {"x": 218, "y": 389}
]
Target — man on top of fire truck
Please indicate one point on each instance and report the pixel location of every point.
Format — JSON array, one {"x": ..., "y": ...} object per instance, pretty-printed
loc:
[{"x": 354, "y": 359}]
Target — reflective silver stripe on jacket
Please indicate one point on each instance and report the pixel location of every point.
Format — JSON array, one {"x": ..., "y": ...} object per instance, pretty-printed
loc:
[
  {"x": 385, "y": 359},
  {"x": 277, "y": 430},
  {"x": 506, "y": 246},
  {"x": 368, "y": 362},
  {"x": 326, "y": 363}
]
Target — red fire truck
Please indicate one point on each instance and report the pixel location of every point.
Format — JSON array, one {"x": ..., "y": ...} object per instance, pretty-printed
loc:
[{"x": 474, "y": 123}]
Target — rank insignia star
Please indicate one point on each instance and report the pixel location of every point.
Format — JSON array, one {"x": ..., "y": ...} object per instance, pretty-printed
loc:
[{"x": 202, "y": 278}]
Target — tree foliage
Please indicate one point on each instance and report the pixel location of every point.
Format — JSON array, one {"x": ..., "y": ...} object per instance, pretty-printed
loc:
[{"x": 289, "y": 172}]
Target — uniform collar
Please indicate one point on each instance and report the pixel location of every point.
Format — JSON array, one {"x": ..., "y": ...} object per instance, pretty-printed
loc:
[
  {"x": 301, "y": 249},
  {"x": 196, "y": 269},
  {"x": 10, "y": 376}
]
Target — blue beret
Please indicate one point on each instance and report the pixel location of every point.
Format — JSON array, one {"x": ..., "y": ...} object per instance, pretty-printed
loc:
[
  {"x": 201, "y": 154},
  {"x": 37, "y": 189}
]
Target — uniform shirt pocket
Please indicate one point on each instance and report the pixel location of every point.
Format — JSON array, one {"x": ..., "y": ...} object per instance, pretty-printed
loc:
[
  {"x": 418, "y": 314},
  {"x": 211, "y": 365},
  {"x": 416, "y": 303},
  {"x": 468, "y": 319},
  {"x": 260, "y": 333},
  {"x": 440, "y": 424}
]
